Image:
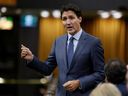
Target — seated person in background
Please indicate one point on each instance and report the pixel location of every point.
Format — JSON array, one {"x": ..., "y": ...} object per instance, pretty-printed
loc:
[
  {"x": 127, "y": 77},
  {"x": 115, "y": 71},
  {"x": 106, "y": 89}
]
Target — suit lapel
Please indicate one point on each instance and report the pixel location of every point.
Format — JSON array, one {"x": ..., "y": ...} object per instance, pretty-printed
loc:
[
  {"x": 64, "y": 48},
  {"x": 80, "y": 47}
]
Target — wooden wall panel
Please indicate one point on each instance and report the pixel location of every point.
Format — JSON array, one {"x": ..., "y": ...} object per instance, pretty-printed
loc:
[
  {"x": 8, "y": 2},
  {"x": 50, "y": 29}
]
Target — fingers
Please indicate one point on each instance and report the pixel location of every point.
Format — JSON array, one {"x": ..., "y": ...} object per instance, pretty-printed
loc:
[
  {"x": 23, "y": 47},
  {"x": 127, "y": 67},
  {"x": 72, "y": 85},
  {"x": 68, "y": 86},
  {"x": 24, "y": 51}
]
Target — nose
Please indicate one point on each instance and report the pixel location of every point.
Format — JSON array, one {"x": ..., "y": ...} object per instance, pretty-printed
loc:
[{"x": 68, "y": 21}]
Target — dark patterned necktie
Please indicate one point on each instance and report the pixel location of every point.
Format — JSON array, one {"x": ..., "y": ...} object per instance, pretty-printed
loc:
[{"x": 70, "y": 51}]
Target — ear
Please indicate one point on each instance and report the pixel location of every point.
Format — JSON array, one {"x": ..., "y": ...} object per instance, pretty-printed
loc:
[{"x": 80, "y": 19}]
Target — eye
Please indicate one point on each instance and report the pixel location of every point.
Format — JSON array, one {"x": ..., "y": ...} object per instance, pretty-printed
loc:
[
  {"x": 64, "y": 18},
  {"x": 71, "y": 17}
]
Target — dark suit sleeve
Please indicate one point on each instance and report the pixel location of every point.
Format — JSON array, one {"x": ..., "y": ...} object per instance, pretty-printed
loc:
[
  {"x": 97, "y": 59},
  {"x": 47, "y": 67}
]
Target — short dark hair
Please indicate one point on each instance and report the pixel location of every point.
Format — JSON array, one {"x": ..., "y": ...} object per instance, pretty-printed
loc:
[
  {"x": 115, "y": 71},
  {"x": 73, "y": 8}
]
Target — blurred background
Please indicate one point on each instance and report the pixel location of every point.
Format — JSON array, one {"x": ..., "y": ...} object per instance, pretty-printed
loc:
[{"x": 36, "y": 24}]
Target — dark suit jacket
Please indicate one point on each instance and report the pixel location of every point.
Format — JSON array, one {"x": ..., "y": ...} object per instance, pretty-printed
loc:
[
  {"x": 87, "y": 64},
  {"x": 123, "y": 89}
]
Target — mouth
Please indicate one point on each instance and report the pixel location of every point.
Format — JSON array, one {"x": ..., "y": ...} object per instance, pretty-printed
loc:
[{"x": 69, "y": 28}]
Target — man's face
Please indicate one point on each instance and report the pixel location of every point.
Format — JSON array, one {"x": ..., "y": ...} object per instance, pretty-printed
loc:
[{"x": 71, "y": 22}]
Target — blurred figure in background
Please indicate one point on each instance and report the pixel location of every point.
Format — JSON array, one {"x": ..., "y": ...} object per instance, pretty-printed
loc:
[
  {"x": 127, "y": 77},
  {"x": 106, "y": 89},
  {"x": 115, "y": 71}
]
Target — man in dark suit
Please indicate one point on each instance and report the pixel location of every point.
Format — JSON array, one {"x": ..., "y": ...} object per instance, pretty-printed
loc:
[{"x": 78, "y": 55}]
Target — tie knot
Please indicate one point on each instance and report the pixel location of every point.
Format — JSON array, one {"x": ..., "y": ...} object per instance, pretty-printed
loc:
[{"x": 71, "y": 38}]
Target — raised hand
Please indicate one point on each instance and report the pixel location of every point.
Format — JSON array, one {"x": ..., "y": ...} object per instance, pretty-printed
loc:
[{"x": 26, "y": 53}]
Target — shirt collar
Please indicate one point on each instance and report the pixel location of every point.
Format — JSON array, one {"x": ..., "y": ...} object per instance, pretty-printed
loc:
[{"x": 76, "y": 36}]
